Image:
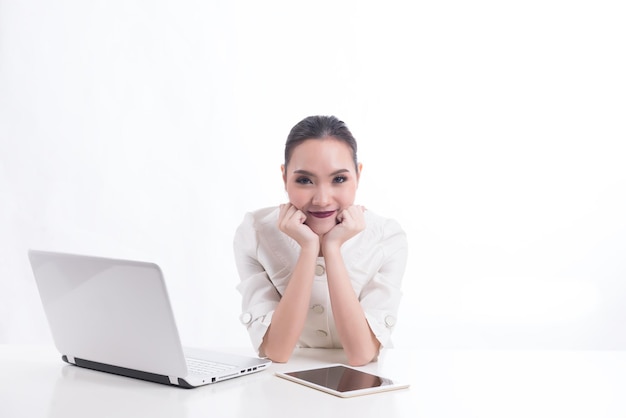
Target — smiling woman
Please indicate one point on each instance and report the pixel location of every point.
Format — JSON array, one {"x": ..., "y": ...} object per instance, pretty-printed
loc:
[{"x": 320, "y": 271}]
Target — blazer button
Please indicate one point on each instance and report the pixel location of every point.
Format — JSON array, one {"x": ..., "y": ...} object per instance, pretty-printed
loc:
[
  {"x": 245, "y": 318},
  {"x": 319, "y": 270},
  {"x": 321, "y": 333},
  {"x": 390, "y": 321},
  {"x": 318, "y": 309}
]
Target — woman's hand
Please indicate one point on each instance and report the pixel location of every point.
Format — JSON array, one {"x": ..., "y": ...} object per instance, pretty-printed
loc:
[
  {"x": 350, "y": 222},
  {"x": 291, "y": 222}
]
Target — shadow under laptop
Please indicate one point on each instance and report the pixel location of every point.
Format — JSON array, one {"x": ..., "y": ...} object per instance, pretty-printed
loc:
[{"x": 99, "y": 394}]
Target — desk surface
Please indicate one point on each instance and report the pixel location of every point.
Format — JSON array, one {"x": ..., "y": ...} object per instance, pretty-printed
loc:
[{"x": 36, "y": 383}]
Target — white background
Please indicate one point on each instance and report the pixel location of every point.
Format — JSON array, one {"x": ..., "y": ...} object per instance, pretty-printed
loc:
[{"x": 493, "y": 131}]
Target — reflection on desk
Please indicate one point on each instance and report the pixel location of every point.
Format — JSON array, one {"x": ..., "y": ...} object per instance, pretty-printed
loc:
[{"x": 443, "y": 384}]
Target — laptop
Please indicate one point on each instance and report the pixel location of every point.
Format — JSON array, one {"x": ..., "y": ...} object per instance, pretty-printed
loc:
[{"x": 115, "y": 316}]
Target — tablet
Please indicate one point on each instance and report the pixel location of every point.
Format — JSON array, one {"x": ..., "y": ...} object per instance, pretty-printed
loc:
[{"x": 342, "y": 381}]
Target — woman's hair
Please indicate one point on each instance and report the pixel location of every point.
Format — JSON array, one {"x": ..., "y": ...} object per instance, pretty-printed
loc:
[{"x": 319, "y": 127}]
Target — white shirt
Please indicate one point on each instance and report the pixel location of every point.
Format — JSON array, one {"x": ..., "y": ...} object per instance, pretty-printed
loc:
[{"x": 265, "y": 257}]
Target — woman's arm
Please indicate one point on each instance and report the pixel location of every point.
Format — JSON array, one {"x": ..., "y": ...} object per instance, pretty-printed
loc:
[
  {"x": 358, "y": 340},
  {"x": 290, "y": 314}
]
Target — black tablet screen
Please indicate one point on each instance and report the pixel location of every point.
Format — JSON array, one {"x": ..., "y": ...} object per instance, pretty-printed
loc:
[{"x": 339, "y": 378}]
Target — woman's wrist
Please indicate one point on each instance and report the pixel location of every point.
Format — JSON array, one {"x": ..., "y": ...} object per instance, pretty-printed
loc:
[
  {"x": 310, "y": 248},
  {"x": 330, "y": 247}
]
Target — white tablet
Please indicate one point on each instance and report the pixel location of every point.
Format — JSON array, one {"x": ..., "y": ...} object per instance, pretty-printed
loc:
[{"x": 342, "y": 381}]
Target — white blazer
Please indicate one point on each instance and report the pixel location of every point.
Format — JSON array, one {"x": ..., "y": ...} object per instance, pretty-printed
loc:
[{"x": 265, "y": 258}]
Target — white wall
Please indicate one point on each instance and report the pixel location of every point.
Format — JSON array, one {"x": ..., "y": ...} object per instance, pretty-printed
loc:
[{"x": 493, "y": 131}]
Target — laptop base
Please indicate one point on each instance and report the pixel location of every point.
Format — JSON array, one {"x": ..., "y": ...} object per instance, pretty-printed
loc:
[{"x": 122, "y": 371}]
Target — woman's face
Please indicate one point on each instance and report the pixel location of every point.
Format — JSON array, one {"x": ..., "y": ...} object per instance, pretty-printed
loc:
[{"x": 321, "y": 180}]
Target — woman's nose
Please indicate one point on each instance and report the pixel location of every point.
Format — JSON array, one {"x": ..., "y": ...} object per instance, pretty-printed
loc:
[{"x": 322, "y": 196}]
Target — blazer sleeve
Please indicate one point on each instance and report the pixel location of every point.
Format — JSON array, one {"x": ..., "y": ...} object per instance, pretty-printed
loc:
[
  {"x": 259, "y": 296},
  {"x": 380, "y": 297}
]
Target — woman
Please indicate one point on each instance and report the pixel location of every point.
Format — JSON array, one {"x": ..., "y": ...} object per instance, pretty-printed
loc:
[{"x": 320, "y": 271}]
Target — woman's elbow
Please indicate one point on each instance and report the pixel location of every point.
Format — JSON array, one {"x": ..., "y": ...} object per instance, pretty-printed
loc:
[
  {"x": 277, "y": 355},
  {"x": 363, "y": 356},
  {"x": 278, "y": 359},
  {"x": 360, "y": 359}
]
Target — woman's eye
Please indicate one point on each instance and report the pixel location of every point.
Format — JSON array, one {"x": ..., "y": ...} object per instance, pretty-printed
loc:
[
  {"x": 303, "y": 180},
  {"x": 340, "y": 179}
]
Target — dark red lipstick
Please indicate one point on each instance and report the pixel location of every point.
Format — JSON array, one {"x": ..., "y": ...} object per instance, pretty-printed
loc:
[{"x": 324, "y": 214}]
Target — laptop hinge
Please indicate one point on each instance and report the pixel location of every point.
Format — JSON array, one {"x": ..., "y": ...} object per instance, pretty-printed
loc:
[
  {"x": 173, "y": 380},
  {"x": 70, "y": 359}
]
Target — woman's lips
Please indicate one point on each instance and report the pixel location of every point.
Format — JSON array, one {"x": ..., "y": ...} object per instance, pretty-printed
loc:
[{"x": 324, "y": 214}]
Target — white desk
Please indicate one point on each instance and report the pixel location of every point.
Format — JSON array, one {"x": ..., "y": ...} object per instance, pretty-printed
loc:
[{"x": 36, "y": 383}]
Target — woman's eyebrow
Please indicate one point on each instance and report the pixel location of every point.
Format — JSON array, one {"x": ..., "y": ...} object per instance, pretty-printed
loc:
[
  {"x": 343, "y": 170},
  {"x": 304, "y": 172},
  {"x": 308, "y": 173}
]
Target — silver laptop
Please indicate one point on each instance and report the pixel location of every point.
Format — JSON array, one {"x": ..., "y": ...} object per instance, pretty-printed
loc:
[{"x": 115, "y": 316}]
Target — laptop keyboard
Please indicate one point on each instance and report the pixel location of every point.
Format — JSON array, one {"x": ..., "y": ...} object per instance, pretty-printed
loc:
[{"x": 197, "y": 366}]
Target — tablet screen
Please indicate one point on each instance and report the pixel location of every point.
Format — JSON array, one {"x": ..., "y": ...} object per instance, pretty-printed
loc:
[{"x": 340, "y": 378}]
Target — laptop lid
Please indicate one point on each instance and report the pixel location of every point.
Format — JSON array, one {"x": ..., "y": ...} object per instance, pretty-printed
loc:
[{"x": 109, "y": 311}]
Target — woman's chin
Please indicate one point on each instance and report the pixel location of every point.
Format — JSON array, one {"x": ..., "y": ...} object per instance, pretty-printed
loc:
[{"x": 321, "y": 228}]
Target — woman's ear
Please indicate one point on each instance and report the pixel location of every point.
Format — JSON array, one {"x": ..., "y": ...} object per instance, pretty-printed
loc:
[
  {"x": 282, "y": 170},
  {"x": 358, "y": 174}
]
